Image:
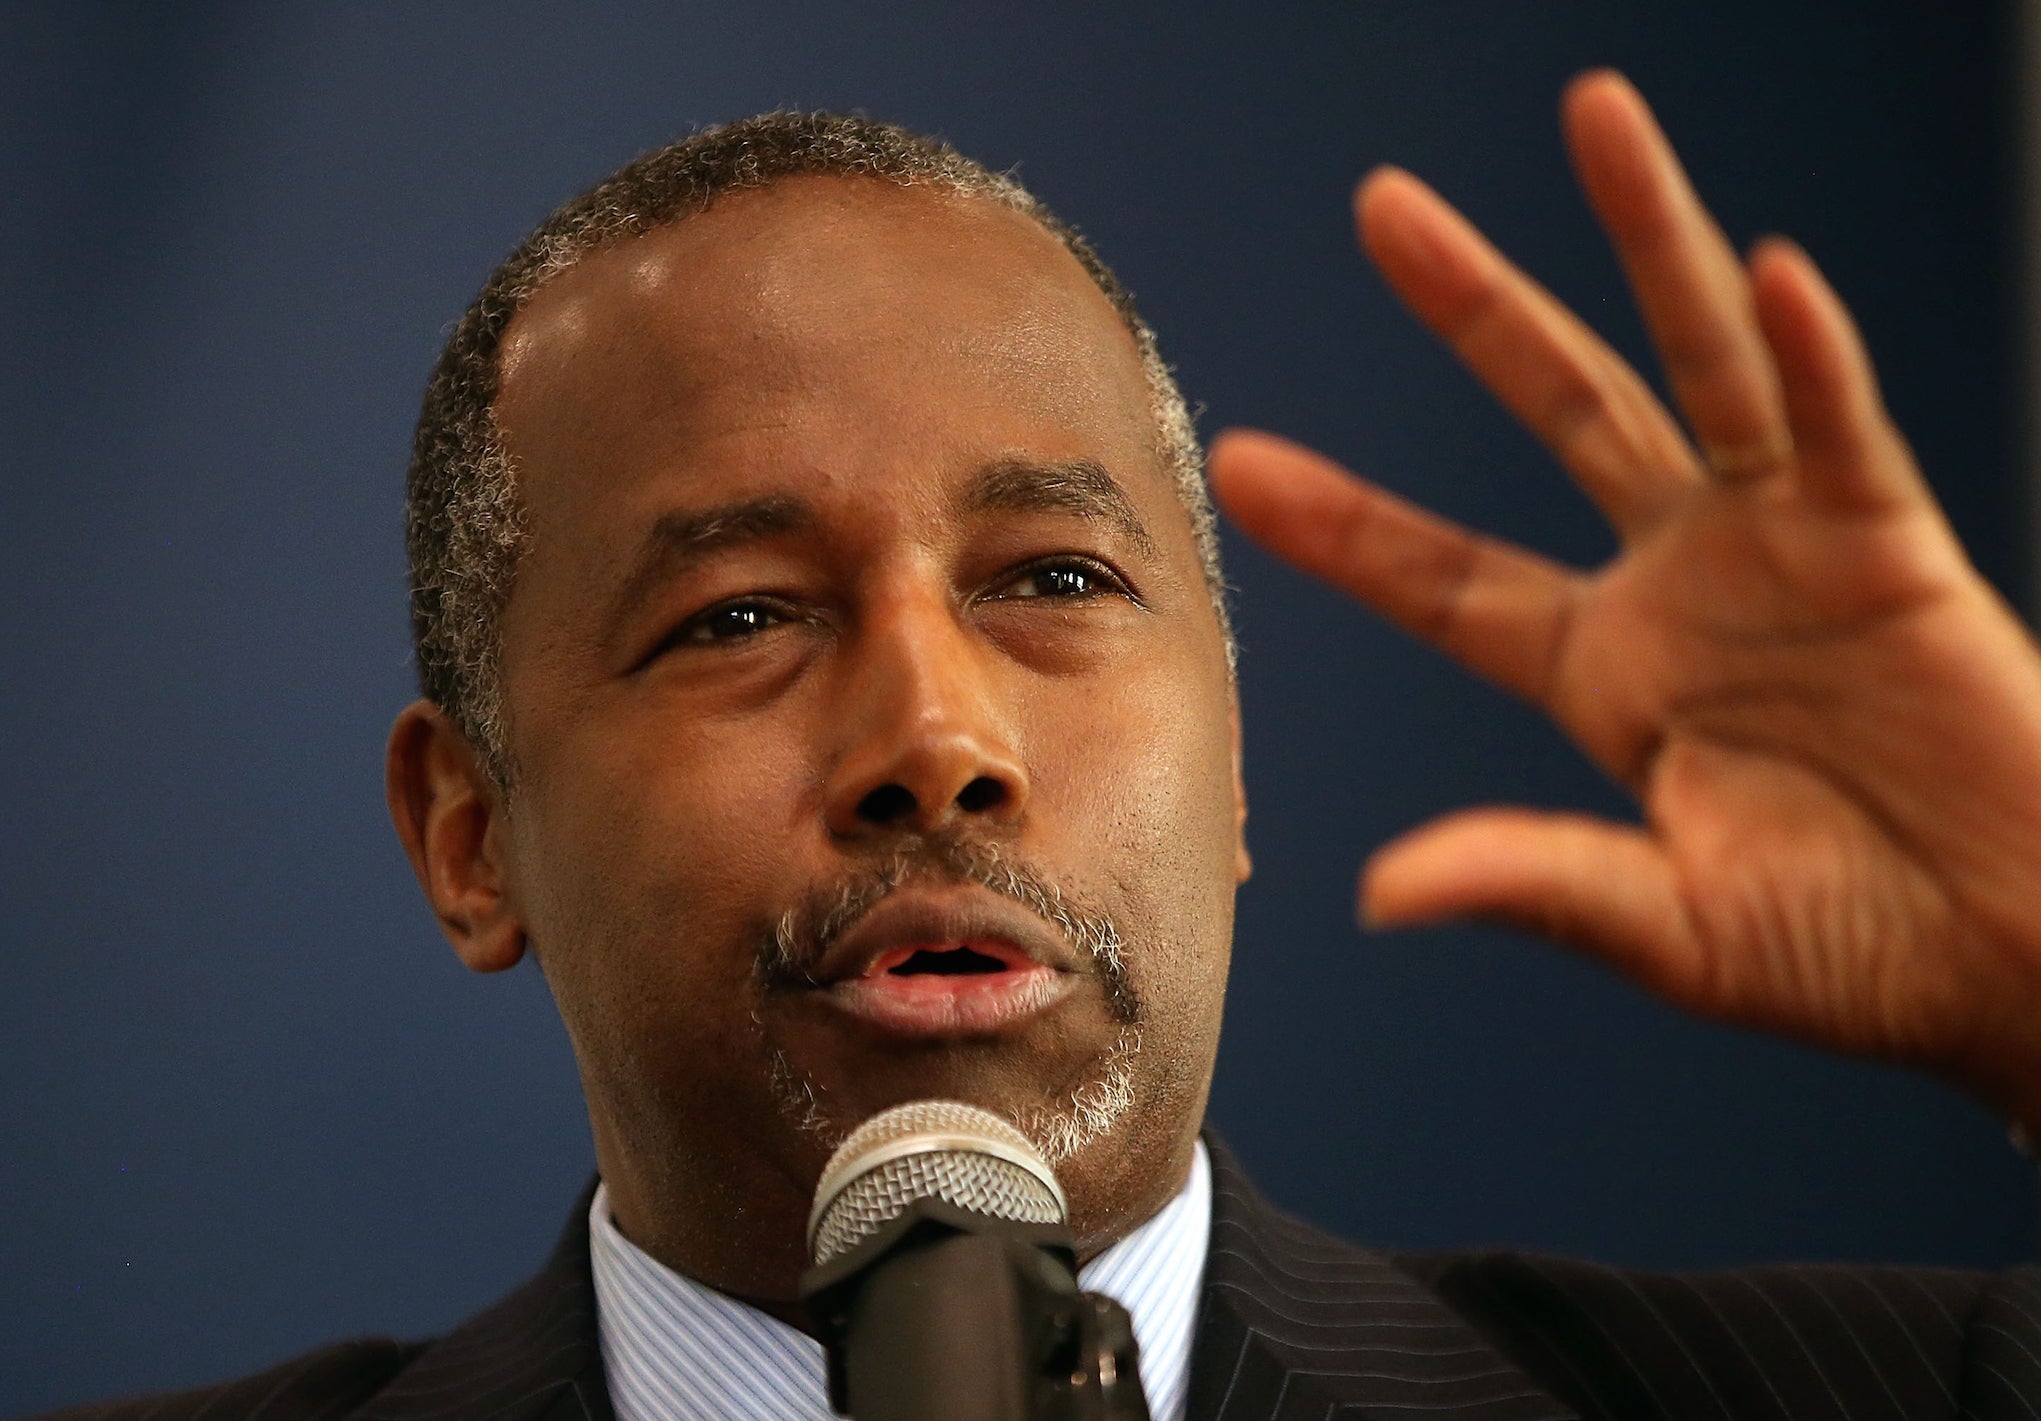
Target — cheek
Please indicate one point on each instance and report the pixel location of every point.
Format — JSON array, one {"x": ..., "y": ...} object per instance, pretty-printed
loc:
[
  {"x": 1150, "y": 777},
  {"x": 646, "y": 860},
  {"x": 1155, "y": 760}
]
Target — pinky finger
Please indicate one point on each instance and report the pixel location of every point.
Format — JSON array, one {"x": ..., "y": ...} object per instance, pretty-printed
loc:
[{"x": 1850, "y": 457}]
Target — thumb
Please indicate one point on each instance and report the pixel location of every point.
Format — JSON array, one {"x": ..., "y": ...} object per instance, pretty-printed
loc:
[{"x": 1605, "y": 889}]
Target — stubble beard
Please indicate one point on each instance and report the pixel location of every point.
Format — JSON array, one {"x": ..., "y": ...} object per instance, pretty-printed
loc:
[{"x": 1085, "y": 1114}]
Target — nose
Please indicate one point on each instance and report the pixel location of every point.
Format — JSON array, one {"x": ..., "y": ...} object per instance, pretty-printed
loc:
[{"x": 928, "y": 740}]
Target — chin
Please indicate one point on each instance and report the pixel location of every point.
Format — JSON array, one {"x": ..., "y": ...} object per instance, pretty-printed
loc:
[
  {"x": 1113, "y": 1125},
  {"x": 1062, "y": 1093}
]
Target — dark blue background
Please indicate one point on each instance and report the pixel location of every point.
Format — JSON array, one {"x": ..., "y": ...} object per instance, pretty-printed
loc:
[{"x": 251, "y": 1102}]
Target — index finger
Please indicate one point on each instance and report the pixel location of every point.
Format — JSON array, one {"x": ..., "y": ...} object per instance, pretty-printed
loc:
[
  {"x": 1501, "y": 611},
  {"x": 1690, "y": 285}
]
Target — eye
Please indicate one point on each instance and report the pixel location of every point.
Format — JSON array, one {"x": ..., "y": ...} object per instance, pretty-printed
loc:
[
  {"x": 1062, "y": 579},
  {"x": 727, "y": 622}
]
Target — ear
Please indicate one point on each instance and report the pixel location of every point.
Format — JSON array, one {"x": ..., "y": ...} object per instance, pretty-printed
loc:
[
  {"x": 449, "y": 814},
  {"x": 1243, "y": 864}
]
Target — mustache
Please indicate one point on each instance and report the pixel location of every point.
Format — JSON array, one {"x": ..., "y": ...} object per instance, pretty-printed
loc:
[{"x": 793, "y": 951}]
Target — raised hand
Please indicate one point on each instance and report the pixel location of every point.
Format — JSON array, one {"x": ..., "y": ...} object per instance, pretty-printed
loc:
[{"x": 1831, "y": 721}]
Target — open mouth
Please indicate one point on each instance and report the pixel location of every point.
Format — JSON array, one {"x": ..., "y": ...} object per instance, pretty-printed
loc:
[
  {"x": 946, "y": 962},
  {"x": 961, "y": 959},
  {"x": 950, "y": 989}
]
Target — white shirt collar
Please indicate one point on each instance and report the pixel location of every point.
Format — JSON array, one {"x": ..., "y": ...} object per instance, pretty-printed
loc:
[{"x": 673, "y": 1348}]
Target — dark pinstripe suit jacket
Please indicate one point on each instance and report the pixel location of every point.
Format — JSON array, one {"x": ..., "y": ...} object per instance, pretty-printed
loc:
[{"x": 1297, "y": 1324}]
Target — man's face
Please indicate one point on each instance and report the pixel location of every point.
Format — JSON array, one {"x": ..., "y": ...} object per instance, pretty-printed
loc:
[{"x": 871, "y": 722}]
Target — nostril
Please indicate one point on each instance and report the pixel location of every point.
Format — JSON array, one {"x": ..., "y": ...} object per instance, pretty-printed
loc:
[
  {"x": 980, "y": 795},
  {"x": 886, "y": 804}
]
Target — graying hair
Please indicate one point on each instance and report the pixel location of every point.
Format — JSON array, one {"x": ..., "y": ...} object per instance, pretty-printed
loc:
[
  {"x": 802, "y": 935},
  {"x": 801, "y": 938},
  {"x": 465, "y": 526}
]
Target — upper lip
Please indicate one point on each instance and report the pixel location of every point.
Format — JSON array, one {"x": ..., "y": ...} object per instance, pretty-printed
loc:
[{"x": 909, "y": 917}]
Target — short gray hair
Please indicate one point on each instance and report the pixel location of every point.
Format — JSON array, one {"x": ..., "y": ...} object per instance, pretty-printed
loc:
[{"x": 464, "y": 522}]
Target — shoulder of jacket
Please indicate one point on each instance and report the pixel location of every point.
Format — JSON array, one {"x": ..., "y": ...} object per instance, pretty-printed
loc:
[
  {"x": 1947, "y": 1294},
  {"x": 322, "y": 1385},
  {"x": 1773, "y": 1340}
]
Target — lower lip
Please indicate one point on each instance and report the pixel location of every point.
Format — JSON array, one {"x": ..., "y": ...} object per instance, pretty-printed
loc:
[{"x": 931, "y": 1004}]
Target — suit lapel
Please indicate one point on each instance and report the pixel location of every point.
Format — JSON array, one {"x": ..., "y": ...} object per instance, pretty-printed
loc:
[
  {"x": 532, "y": 1357},
  {"x": 1296, "y": 1323}
]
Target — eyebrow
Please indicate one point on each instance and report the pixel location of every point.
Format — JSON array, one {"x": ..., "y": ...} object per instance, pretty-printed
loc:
[
  {"x": 679, "y": 541},
  {"x": 1079, "y": 486}
]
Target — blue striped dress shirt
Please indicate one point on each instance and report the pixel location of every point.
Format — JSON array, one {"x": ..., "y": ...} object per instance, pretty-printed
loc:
[{"x": 674, "y": 1350}]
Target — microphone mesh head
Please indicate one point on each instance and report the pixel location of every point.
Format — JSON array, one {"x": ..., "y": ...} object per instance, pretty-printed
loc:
[{"x": 940, "y": 1149}]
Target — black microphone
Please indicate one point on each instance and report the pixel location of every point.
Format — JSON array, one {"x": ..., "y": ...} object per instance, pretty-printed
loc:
[{"x": 945, "y": 1282}]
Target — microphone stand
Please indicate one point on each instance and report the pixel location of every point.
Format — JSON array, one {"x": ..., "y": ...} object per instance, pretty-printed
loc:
[{"x": 949, "y": 1315}]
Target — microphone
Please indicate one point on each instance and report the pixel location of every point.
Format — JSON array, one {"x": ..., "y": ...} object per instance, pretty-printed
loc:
[{"x": 945, "y": 1282}]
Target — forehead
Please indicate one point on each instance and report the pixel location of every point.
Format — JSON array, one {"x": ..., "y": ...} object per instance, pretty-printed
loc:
[{"x": 837, "y": 316}]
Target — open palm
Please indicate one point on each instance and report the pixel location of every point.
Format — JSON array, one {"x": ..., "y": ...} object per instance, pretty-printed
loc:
[{"x": 1831, "y": 721}]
